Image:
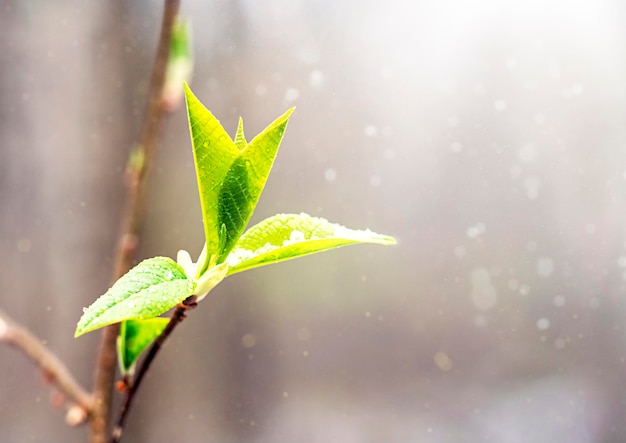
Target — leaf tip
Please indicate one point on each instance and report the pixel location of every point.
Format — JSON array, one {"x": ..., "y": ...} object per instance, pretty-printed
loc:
[
  {"x": 388, "y": 240},
  {"x": 289, "y": 111}
]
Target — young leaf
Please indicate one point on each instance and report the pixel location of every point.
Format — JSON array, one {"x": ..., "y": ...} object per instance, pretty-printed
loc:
[
  {"x": 286, "y": 236},
  {"x": 135, "y": 336},
  {"x": 149, "y": 289},
  {"x": 250, "y": 174},
  {"x": 231, "y": 175},
  {"x": 240, "y": 137},
  {"x": 214, "y": 153}
]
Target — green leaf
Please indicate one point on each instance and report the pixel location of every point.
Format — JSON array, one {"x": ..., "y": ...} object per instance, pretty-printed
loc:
[
  {"x": 231, "y": 175},
  {"x": 149, "y": 289},
  {"x": 135, "y": 336},
  {"x": 286, "y": 236},
  {"x": 214, "y": 153},
  {"x": 251, "y": 172},
  {"x": 240, "y": 138}
]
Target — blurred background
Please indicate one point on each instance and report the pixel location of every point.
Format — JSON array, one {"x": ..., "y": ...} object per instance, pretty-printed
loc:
[{"x": 489, "y": 137}]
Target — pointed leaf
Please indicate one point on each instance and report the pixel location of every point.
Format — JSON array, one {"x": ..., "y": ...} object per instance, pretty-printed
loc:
[
  {"x": 149, "y": 289},
  {"x": 287, "y": 236},
  {"x": 214, "y": 153},
  {"x": 231, "y": 175},
  {"x": 135, "y": 336},
  {"x": 240, "y": 137},
  {"x": 246, "y": 179}
]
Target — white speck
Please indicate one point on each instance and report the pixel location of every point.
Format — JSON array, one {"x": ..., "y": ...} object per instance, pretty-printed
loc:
[
  {"x": 296, "y": 236},
  {"x": 527, "y": 153},
  {"x": 456, "y": 147},
  {"x": 84, "y": 310},
  {"x": 330, "y": 175},
  {"x": 577, "y": 89},
  {"x": 238, "y": 255},
  {"x": 479, "y": 89},
  {"x": 484, "y": 295},
  {"x": 304, "y": 334},
  {"x": 460, "y": 251},
  {"x": 540, "y": 119},
  {"x": 543, "y": 324},
  {"x": 559, "y": 301},
  {"x": 545, "y": 266},
  {"x": 261, "y": 90},
  {"x": 371, "y": 131},
  {"x": 316, "y": 79},
  {"x": 524, "y": 289},
  {"x": 590, "y": 228},
  {"x": 291, "y": 95},
  {"x": 442, "y": 361},
  {"x": 476, "y": 230},
  {"x": 375, "y": 181},
  {"x": 248, "y": 341},
  {"x": 499, "y": 105}
]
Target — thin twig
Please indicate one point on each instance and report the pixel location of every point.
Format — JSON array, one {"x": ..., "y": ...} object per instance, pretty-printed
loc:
[
  {"x": 129, "y": 239},
  {"x": 54, "y": 370},
  {"x": 180, "y": 313}
]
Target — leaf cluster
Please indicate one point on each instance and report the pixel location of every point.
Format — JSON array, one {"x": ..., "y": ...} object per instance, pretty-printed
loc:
[{"x": 231, "y": 174}]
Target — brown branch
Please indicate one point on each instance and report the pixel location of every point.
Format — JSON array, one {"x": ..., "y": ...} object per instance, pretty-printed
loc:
[
  {"x": 180, "y": 313},
  {"x": 138, "y": 168},
  {"x": 53, "y": 369}
]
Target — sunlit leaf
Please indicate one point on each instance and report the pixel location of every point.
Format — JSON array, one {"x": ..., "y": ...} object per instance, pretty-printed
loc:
[
  {"x": 135, "y": 336},
  {"x": 231, "y": 175},
  {"x": 286, "y": 236},
  {"x": 149, "y": 289},
  {"x": 240, "y": 137},
  {"x": 214, "y": 153},
  {"x": 247, "y": 178}
]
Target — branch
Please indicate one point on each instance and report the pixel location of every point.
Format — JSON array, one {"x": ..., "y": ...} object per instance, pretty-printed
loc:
[
  {"x": 54, "y": 370},
  {"x": 180, "y": 313},
  {"x": 138, "y": 167}
]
